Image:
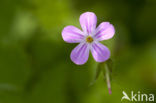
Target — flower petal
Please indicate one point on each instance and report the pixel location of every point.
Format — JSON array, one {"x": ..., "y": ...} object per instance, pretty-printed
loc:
[
  {"x": 104, "y": 31},
  {"x": 72, "y": 34},
  {"x": 88, "y": 22},
  {"x": 80, "y": 54},
  {"x": 100, "y": 52}
]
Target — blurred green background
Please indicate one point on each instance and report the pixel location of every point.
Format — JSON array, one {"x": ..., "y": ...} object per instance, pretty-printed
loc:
[{"x": 35, "y": 65}]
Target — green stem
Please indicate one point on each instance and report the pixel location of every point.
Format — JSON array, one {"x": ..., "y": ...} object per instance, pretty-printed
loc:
[{"x": 108, "y": 79}]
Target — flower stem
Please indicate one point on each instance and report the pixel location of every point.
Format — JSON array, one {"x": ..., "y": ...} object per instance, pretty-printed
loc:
[{"x": 108, "y": 79}]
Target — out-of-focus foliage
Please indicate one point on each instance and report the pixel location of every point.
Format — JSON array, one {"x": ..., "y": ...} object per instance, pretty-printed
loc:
[{"x": 35, "y": 66}]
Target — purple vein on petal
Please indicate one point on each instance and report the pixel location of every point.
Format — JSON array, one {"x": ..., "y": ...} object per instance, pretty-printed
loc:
[
  {"x": 79, "y": 38},
  {"x": 82, "y": 51},
  {"x": 86, "y": 23},
  {"x": 98, "y": 49},
  {"x": 100, "y": 31},
  {"x": 76, "y": 34}
]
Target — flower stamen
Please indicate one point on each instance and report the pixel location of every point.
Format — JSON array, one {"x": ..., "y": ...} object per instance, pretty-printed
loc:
[{"x": 89, "y": 39}]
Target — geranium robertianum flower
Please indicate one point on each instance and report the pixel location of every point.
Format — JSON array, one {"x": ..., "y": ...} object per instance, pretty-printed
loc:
[{"x": 89, "y": 39}]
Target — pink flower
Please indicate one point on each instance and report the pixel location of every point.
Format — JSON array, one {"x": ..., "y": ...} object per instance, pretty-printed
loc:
[{"x": 89, "y": 39}]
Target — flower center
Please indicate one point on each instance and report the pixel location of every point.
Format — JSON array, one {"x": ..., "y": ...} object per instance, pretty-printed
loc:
[{"x": 89, "y": 39}]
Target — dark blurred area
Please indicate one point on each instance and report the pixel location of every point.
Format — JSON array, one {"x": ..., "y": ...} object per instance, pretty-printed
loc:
[{"x": 35, "y": 65}]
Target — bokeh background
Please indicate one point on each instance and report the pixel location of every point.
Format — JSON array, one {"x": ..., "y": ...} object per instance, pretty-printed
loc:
[{"x": 35, "y": 66}]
